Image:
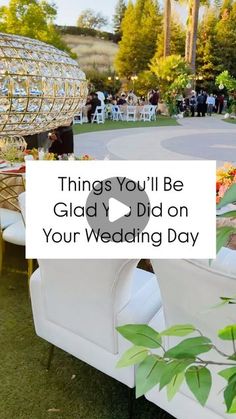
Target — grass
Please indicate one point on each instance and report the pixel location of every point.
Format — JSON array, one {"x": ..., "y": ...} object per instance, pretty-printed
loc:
[
  {"x": 162, "y": 121},
  {"x": 71, "y": 389},
  {"x": 92, "y": 52},
  {"x": 230, "y": 121}
]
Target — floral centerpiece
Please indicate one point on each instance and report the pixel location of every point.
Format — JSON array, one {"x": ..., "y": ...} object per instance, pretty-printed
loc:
[
  {"x": 35, "y": 153},
  {"x": 12, "y": 150},
  {"x": 225, "y": 177}
]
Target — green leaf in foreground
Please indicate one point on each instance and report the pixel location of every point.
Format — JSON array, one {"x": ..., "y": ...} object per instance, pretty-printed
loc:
[
  {"x": 223, "y": 236},
  {"x": 190, "y": 348},
  {"x": 133, "y": 356},
  {"x": 148, "y": 374},
  {"x": 179, "y": 330},
  {"x": 229, "y": 197},
  {"x": 199, "y": 382},
  {"x": 228, "y": 332},
  {"x": 140, "y": 335},
  {"x": 227, "y": 373},
  {"x": 230, "y": 392},
  {"x": 174, "y": 386},
  {"x": 172, "y": 369}
]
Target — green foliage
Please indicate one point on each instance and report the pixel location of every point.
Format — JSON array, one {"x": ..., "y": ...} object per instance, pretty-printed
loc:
[
  {"x": 177, "y": 42},
  {"x": 91, "y": 20},
  {"x": 145, "y": 82},
  {"x": 133, "y": 356},
  {"x": 118, "y": 16},
  {"x": 99, "y": 81},
  {"x": 169, "y": 369},
  {"x": 141, "y": 335},
  {"x": 149, "y": 373},
  {"x": 139, "y": 27},
  {"x": 226, "y": 36},
  {"x": 31, "y": 18},
  {"x": 179, "y": 330},
  {"x": 224, "y": 233},
  {"x": 208, "y": 58},
  {"x": 228, "y": 333},
  {"x": 172, "y": 75},
  {"x": 226, "y": 80},
  {"x": 199, "y": 382},
  {"x": 190, "y": 348},
  {"x": 174, "y": 385}
]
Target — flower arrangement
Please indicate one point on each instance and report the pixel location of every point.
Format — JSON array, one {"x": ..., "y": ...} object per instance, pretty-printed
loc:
[
  {"x": 73, "y": 157},
  {"x": 12, "y": 149},
  {"x": 35, "y": 154},
  {"x": 225, "y": 178}
]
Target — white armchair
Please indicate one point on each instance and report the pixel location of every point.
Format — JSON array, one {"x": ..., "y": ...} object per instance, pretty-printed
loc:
[
  {"x": 189, "y": 289},
  {"x": 77, "y": 305}
]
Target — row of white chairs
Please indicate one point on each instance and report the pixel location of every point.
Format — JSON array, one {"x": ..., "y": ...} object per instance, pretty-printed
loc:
[{"x": 129, "y": 114}]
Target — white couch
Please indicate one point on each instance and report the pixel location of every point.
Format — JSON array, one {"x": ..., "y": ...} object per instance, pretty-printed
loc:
[
  {"x": 189, "y": 289},
  {"x": 77, "y": 305}
]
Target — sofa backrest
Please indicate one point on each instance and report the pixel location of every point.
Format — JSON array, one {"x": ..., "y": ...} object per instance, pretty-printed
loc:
[{"x": 84, "y": 296}]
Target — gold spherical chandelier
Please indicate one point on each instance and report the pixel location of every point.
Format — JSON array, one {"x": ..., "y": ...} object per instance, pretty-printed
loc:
[{"x": 41, "y": 87}]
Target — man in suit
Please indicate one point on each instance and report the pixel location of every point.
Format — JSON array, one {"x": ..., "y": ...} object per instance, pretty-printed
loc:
[{"x": 93, "y": 103}]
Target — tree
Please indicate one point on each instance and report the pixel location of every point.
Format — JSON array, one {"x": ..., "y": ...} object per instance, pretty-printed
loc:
[
  {"x": 172, "y": 74},
  {"x": 31, "y": 18},
  {"x": 167, "y": 27},
  {"x": 226, "y": 36},
  {"x": 91, "y": 20},
  {"x": 177, "y": 41},
  {"x": 140, "y": 27},
  {"x": 209, "y": 57},
  {"x": 193, "y": 35},
  {"x": 118, "y": 16}
]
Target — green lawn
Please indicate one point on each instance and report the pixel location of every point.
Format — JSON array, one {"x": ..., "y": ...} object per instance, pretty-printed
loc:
[
  {"x": 71, "y": 389},
  {"x": 230, "y": 121},
  {"x": 162, "y": 121}
]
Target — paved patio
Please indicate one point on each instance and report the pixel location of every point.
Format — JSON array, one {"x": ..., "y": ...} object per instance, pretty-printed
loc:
[{"x": 195, "y": 138}]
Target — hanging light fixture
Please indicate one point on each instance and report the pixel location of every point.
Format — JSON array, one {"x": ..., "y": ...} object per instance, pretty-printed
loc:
[{"x": 41, "y": 87}]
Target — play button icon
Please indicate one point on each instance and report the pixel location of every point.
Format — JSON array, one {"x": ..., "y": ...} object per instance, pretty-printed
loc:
[{"x": 118, "y": 209}]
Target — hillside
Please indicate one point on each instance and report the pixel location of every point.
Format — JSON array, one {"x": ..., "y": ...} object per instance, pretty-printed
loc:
[{"x": 93, "y": 53}]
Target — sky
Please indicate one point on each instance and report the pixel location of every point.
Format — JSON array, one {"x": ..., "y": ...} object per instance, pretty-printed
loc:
[{"x": 69, "y": 10}]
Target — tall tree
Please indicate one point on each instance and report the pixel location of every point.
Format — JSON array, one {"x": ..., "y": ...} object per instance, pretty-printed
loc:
[
  {"x": 226, "y": 36},
  {"x": 119, "y": 15},
  {"x": 167, "y": 27},
  {"x": 31, "y": 18},
  {"x": 140, "y": 27},
  {"x": 177, "y": 41},
  {"x": 208, "y": 53},
  {"x": 193, "y": 35}
]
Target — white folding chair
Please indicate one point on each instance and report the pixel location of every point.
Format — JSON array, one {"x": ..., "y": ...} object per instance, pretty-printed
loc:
[
  {"x": 148, "y": 113},
  {"x": 99, "y": 115},
  {"x": 117, "y": 115},
  {"x": 78, "y": 118},
  {"x": 131, "y": 114}
]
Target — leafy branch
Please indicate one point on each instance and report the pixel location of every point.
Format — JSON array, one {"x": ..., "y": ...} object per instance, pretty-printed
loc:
[{"x": 170, "y": 368}]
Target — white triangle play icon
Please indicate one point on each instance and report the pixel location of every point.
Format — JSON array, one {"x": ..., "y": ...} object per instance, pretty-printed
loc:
[{"x": 117, "y": 210}]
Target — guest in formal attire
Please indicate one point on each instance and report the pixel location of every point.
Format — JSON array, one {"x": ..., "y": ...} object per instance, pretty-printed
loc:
[
  {"x": 93, "y": 103},
  {"x": 192, "y": 104},
  {"x": 220, "y": 103},
  {"x": 210, "y": 104},
  {"x": 62, "y": 140}
]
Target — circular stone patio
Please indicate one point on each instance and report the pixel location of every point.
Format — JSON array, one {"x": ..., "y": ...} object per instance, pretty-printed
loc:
[{"x": 195, "y": 138}]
